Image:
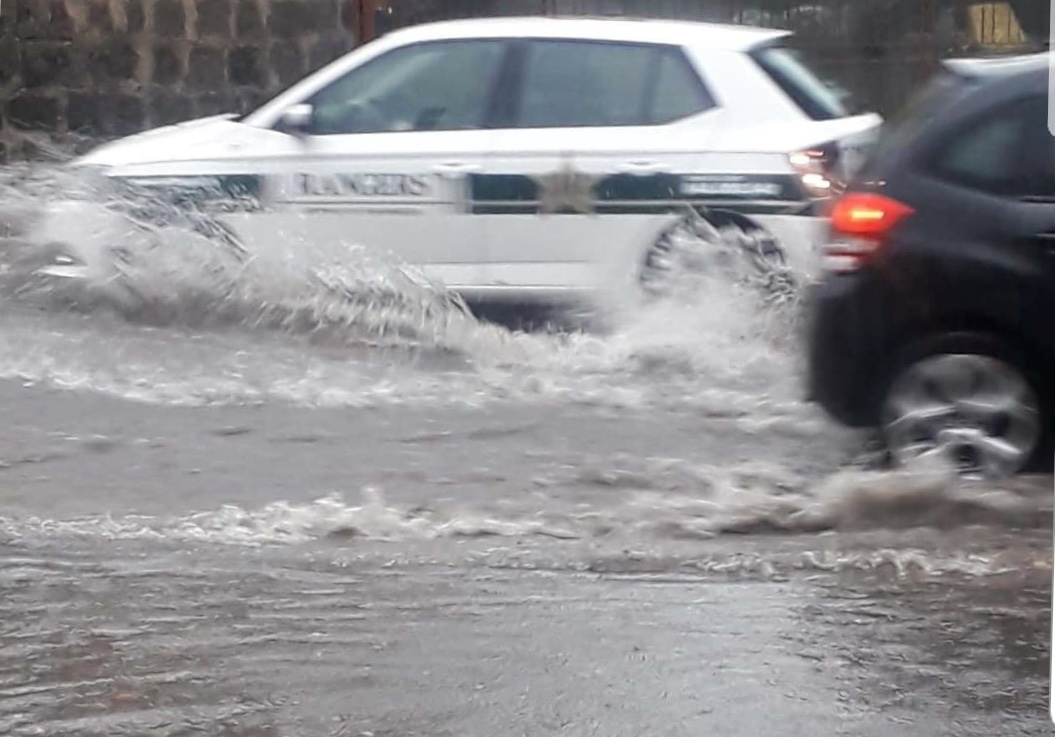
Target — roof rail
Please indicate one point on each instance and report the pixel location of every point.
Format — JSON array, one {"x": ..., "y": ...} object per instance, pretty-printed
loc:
[{"x": 997, "y": 66}]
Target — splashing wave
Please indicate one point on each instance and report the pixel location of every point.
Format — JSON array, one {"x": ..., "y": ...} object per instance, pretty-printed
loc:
[
  {"x": 683, "y": 503},
  {"x": 712, "y": 345}
]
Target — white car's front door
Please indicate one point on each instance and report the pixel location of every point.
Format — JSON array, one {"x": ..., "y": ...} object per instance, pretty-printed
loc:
[
  {"x": 589, "y": 168},
  {"x": 385, "y": 162}
]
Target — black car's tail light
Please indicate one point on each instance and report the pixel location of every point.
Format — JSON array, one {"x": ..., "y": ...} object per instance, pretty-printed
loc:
[{"x": 860, "y": 222}]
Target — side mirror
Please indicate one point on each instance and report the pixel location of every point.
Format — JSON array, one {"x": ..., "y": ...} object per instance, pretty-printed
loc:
[
  {"x": 384, "y": 21},
  {"x": 297, "y": 119}
]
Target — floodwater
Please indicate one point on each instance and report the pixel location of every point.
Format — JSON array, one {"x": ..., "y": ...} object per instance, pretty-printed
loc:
[{"x": 348, "y": 507}]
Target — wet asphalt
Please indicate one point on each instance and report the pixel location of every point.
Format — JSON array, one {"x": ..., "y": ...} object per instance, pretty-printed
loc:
[
  {"x": 248, "y": 530},
  {"x": 520, "y": 569}
]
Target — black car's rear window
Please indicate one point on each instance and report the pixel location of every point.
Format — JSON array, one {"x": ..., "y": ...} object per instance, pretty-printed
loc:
[
  {"x": 790, "y": 70},
  {"x": 907, "y": 122}
]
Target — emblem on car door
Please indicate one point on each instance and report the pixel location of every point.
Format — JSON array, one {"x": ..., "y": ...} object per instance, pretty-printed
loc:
[{"x": 566, "y": 190}]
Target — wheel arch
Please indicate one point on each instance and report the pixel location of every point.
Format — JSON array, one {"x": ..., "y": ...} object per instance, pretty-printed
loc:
[
  {"x": 983, "y": 331},
  {"x": 720, "y": 217}
]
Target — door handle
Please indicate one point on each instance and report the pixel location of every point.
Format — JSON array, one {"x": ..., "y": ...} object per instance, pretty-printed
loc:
[
  {"x": 645, "y": 167},
  {"x": 1045, "y": 240},
  {"x": 452, "y": 168}
]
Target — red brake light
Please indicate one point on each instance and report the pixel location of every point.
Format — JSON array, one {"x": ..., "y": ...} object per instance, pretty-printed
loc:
[
  {"x": 860, "y": 221},
  {"x": 867, "y": 215}
]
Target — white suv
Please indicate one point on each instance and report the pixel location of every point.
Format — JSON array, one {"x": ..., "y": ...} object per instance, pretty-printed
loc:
[{"x": 516, "y": 158}]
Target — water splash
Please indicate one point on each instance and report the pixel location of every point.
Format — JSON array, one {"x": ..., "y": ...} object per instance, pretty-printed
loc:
[
  {"x": 662, "y": 502},
  {"x": 710, "y": 344},
  {"x": 167, "y": 264}
]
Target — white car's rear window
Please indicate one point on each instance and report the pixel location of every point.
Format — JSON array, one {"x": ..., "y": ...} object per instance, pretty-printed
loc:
[{"x": 818, "y": 98}]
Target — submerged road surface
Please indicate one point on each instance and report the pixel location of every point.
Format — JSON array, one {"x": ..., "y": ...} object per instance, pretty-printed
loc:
[{"x": 337, "y": 514}]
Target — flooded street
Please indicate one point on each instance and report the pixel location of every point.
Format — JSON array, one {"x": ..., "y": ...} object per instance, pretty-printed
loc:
[{"x": 350, "y": 508}]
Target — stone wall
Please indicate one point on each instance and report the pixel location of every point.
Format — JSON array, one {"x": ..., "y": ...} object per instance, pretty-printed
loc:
[
  {"x": 96, "y": 69},
  {"x": 105, "y": 68}
]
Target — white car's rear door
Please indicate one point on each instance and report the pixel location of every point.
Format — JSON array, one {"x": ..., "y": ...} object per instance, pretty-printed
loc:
[{"x": 584, "y": 173}]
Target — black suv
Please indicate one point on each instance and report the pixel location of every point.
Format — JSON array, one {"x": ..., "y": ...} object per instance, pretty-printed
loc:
[{"x": 934, "y": 319}]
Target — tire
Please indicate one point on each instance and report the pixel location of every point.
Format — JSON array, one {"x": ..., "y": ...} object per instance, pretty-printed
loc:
[
  {"x": 973, "y": 399},
  {"x": 697, "y": 246}
]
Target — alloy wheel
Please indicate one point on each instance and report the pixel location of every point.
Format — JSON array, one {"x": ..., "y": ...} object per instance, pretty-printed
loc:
[{"x": 976, "y": 411}]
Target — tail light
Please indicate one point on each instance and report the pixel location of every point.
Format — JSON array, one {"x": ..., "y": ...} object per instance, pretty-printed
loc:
[
  {"x": 860, "y": 222},
  {"x": 819, "y": 169}
]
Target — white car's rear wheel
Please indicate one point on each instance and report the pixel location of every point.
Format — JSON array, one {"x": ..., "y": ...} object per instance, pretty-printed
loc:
[{"x": 695, "y": 248}]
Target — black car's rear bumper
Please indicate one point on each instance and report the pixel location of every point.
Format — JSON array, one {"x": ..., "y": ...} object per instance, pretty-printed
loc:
[{"x": 844, "y": 350}]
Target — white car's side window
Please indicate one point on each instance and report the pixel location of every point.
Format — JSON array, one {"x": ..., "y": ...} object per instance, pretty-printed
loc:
[
  {"x": 588, "y": 83},
  {"x": 679, "y": 92},
  {"x": 434, "y": 86}
]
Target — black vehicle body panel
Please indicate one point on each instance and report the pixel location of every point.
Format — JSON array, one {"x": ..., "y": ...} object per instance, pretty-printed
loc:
[{"x": 964, "y": 261}]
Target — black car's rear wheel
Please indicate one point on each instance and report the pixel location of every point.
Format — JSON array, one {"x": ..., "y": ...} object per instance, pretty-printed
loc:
[{"x": 971, "y": 401}]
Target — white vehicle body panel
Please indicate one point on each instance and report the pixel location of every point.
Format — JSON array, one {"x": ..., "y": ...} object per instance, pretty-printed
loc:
[
  {"x": 421, "y": 196},
  {"x": 314, "y": 214},
  {"x": 400, "y": 194}
]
